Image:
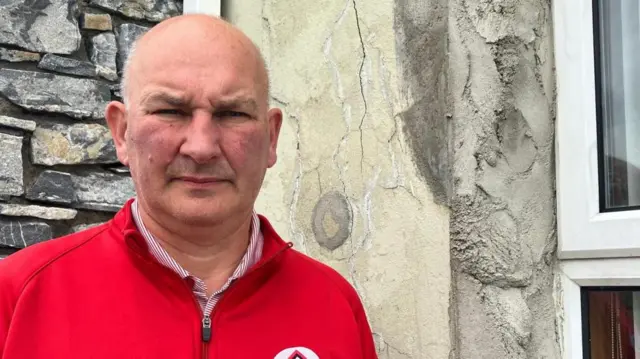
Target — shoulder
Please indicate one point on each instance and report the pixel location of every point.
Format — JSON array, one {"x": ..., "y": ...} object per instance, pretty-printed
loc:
[
  {"x": 317, "y": 277},
  {"x": 19, "y": 268},
  {"x": 304, "y": 270},
  {"x": 320, "y": 274}
]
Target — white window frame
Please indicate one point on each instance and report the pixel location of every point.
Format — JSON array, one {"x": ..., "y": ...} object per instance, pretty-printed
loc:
[
  {"x": 574, "y": 274},
  {"x": 583, "y": 232},
  {"x": 595, "y": 249},
  {"x": 210, "y": 7}
]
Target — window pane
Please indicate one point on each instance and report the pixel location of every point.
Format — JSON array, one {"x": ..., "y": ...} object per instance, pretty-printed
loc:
[
  {"x": 613, "y": 317},
  {"x": 618, "y": 93}
]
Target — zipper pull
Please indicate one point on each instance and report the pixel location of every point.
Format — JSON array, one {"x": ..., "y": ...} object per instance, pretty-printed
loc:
[{"x": 206, "y": 329}]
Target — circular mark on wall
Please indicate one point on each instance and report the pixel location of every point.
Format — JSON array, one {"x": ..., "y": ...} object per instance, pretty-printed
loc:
[{"x": 331, "y": 220}]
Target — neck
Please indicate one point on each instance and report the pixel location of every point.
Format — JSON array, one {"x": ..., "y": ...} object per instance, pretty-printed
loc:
[{"x": 211, "y": 253}]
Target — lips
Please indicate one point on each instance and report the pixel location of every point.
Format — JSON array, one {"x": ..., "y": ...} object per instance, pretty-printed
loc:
[{"x": 201, "y": 180}]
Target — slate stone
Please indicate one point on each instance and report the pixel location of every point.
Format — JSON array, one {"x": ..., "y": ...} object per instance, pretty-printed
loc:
[
  {"x": 11, "y": 180},
  {"x": 52, "y": 186},
  {"x": 67, "y": 65},
  {"x": 102, "y": 51},
  {"x": 53, "y": 213},
  {"x": 38, "y": 91},
  {"x": 71, "y": 145},
  {"x": 18, "y": 55},
  {"x": 17, "y": 123},
  {"x": 120, "y": 169},
  {"x": 100, "y": 22},
  {"x": 101, "y": 207},
  {"x": 5, "y": 254},
  {"x": 127, "y": 35},
  {"x": 82, "y": 227},
  {"x": 150, "y": 10},
  {"x": 21, "y": 234},
  {"x": 116, "y": 92},
  {"x": 102, "y": 191},
  {"x": 40, "y": 25}
]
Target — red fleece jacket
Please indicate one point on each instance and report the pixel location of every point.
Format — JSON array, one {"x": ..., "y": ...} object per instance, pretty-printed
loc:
[{"x": 99, "y": 294}]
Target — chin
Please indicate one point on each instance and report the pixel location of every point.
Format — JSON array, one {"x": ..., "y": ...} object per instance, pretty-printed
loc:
[{"x": 199, "y": 211}]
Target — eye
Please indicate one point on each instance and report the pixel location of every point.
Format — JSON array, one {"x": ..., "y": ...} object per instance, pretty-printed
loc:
[
  {"x": 169, "y": 112},
  {"x": 232, "y": 114}
]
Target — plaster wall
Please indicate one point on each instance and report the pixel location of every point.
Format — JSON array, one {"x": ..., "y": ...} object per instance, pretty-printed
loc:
[
  {"x": 346, "y": 188},
  {"x": 421, "y": 133}
]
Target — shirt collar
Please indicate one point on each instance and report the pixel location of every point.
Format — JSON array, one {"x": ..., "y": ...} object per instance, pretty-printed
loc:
[{"x": 250, "y": 257}]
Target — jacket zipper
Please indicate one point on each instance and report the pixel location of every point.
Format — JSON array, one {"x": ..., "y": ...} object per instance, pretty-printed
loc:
[
  {"x": 206, "y": 329},
  {"x": 206, "y": 319},
  {"x": 206, "y": 336}
]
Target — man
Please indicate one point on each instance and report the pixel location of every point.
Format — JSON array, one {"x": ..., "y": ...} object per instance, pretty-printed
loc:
[{"x": 186, "y": 269}]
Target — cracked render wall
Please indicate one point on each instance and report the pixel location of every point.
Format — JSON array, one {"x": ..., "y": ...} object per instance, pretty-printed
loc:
[
  {"x": 346, "y": 188},
  {"x": 425, "y": 128}
]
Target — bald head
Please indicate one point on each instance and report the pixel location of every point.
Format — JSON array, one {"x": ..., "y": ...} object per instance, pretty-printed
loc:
[
  {"x": 197, "y": 132},
  {"x": 193, "y": 38}
]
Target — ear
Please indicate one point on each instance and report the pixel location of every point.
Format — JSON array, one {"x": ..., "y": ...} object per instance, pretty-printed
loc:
[
  {"x": 274, "y": 116},
  {"x": 115, "y": 115}
]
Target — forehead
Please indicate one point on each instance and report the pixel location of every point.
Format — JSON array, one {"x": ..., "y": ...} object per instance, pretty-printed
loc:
[{"x": 208, "y": 67}]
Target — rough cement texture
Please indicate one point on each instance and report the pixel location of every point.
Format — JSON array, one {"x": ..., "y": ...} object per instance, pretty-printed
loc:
[
  {"x": 346, "y": 188},
  {"x": 501, "y": 95},
  {"x": 422, "y": 54}
]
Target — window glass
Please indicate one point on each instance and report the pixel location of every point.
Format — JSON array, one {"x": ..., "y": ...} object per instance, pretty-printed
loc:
[
  {"x": 617, "y": 45},
  {"x": 612, "y": 317}
]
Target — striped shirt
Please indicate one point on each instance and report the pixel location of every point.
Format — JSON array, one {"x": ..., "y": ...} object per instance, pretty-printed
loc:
[{"x": 251, "y": 257}]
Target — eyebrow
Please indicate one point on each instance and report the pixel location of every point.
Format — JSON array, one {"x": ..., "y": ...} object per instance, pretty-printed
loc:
[
  {"x": 165, "y": 98},
  {"x": 244, "y": 102}
]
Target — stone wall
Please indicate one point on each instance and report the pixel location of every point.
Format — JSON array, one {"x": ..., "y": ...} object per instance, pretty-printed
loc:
[{"x": 60, "y": 62}]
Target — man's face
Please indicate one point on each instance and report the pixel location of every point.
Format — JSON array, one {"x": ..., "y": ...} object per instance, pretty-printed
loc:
[{"x": 199, "y": 136}]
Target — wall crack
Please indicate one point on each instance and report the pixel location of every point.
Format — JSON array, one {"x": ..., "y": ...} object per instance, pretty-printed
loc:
[
  {"x": 295, "y": 232},
  {"x": 364, "y": 99},
  {"x": 346, "y": 108}
]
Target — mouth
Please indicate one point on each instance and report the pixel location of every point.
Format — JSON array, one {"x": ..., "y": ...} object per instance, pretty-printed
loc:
[
  {"x": 200, "y": 179},
  {"x": 201, "y": 182}
]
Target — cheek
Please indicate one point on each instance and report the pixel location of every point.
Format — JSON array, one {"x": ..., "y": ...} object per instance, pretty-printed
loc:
[
  {"x": 247, "y": 150},
  {"x": 154, "y": 144}
]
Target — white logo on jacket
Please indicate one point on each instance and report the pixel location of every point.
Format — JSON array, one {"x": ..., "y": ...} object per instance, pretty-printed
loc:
[{"x": 297, "y": 353}]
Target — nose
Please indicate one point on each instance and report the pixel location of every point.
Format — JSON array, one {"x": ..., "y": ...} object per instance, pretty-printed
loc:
[{"x": 202, "y": 138}]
